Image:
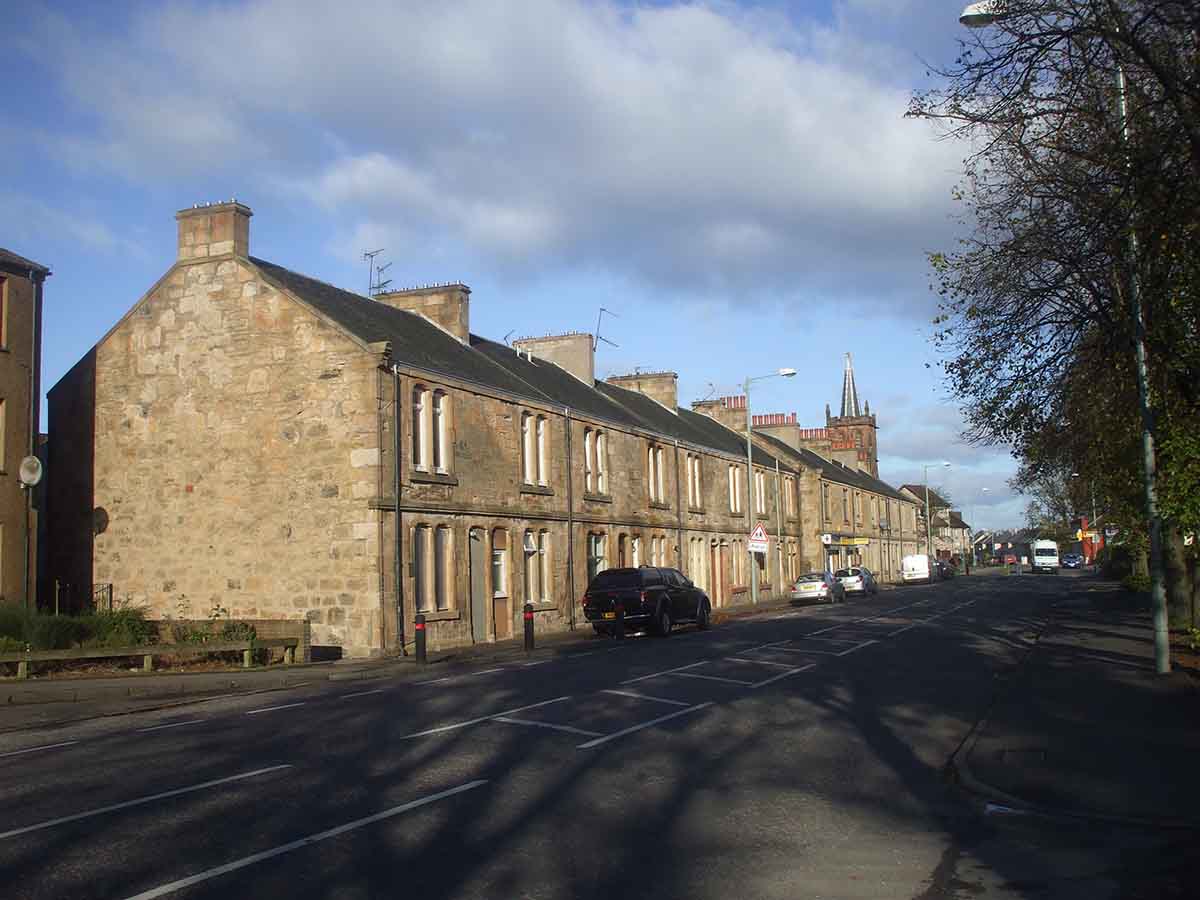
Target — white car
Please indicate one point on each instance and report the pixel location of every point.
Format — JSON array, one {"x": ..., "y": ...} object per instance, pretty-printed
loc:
[
  {"x": 818, "y": 586},
  {"x": 857, "y": 580}
]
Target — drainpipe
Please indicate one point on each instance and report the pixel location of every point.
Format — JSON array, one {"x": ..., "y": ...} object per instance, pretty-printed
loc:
[
  {"x": 678, "y": 514},
  {"x": 398, "y": 567},
  {"x": 779, "y": 533},
  {"x": 570, "y": 522},
  {"x": 34, "y": 385}
]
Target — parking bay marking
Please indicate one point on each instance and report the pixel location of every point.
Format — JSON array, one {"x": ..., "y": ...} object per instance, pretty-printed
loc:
[
  {"x": 172, "y": 887},
  {"x": 667, "y": 672},
  {"x": 773, "y": 678},
  {"x": 141, "y": 801},
  {"x": 618, "y": 734},
  {"x": 712, "y": 678},
  {"x": 570, "y": 729},
  {"x": 475, "y": 721},
  {"x": 757, "y": 662},
  {"x": 172, "y": 725},
  {"x": 637, "y": 696},
  {"x": 255, "y": 712}
]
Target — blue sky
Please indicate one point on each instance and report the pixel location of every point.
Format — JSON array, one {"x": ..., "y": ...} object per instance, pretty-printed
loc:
[{"x": 736, "y": 181}]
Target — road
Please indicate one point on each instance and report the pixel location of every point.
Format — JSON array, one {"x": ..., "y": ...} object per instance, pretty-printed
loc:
[{"x": 795, "y": 754}]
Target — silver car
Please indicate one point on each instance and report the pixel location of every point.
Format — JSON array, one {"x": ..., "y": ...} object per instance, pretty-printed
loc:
[
  {"x": 857, "y": 580},
  {"x": 818, "y": 586}
]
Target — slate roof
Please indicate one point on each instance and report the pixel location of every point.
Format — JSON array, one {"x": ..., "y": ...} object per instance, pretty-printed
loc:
[
  {"x": 12, "y": 262},
  {"x": 417, "y": 342},
  {"x": 918, "y": 491},
  {"x": 833, "y": 471}
]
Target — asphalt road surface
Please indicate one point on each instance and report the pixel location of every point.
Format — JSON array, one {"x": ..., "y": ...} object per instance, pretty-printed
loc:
[{"x": 796, "y": 754}]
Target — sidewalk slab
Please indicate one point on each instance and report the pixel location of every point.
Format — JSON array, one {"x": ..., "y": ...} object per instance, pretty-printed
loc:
[{"x": 1087, "y": 727}]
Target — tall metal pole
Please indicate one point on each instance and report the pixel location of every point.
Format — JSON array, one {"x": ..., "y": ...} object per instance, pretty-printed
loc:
[
  {"x": 750, "y": 497},
  {"x": 1158, "y": 593}
]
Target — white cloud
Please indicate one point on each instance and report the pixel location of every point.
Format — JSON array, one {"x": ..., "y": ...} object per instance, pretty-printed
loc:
[
  {"x": 691, "y": 145},
  {"x": 30, "y": 220}
]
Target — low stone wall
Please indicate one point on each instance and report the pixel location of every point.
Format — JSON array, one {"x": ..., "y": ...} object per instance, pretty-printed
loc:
[{"x": 301, "y": 629}]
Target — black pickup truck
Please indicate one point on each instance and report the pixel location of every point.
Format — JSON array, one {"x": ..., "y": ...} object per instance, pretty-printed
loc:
[{"x": 646, "y": 596}]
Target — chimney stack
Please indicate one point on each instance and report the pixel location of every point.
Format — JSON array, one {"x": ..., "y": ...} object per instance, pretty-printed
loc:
[
  {"x": 572, "y": 351},
  {"x": 729, "y": 411},
  {"x": 214, "y": 229},
  {"x": 445, "y": 305},
  {"x": 661, "y": 387}
]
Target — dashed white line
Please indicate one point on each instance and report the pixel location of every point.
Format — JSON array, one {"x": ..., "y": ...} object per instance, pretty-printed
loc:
[
  {"x": 570, "y": 729},
  {"x": 487, "y": 672},
  {"x": 637, "y": 696},
  {"x": 618, "y": 734},
  {"x": 434, "y": 681},
  {"x": 507, "y": 712},
  {"x": 362, "y": 693},
  {"x": 255, "y": 712},
  {"x": 35, "y": 749},
  {"x": 172, "y": 725},
  {"x": 540, "y": 662},
  {"x": 174, "y": 886},
  {"x": 141, "y": 800}
]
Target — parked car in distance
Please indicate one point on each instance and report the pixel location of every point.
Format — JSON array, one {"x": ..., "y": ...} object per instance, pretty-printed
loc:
[
  {"x": 1072, "y": 561},
  {"x": 915, "y": 568},
  {"x": 945, "y": 569},
  {"x": 645, "y": 597},
  {"x": 818, "y": 586},
  {"x": 857, "y": 580},
  {"x": 1010, "y": 559}
]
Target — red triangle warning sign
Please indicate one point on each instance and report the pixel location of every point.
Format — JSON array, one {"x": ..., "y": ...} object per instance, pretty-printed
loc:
[{"x": 759, "y": 533}]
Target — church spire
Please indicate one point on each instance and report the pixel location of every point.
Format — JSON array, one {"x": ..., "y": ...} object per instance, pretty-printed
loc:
[{"x": 849, "y": 393}]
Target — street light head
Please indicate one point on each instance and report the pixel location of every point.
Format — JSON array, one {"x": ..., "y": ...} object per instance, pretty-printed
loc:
[
  {"x": 945, "y": 465},
  {"x": 1074, "y": 474},
  {"x": 786, "y": 373},
  {"x": 982, "y": 14}
]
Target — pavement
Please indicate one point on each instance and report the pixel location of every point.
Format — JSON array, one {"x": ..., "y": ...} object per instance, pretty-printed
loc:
[
  {"x": 1085, "y": 727},
  {"x": 55, "y": 701}
]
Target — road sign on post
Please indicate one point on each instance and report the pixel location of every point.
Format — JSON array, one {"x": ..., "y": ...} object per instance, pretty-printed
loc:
[{"x": 758, "y": 539}]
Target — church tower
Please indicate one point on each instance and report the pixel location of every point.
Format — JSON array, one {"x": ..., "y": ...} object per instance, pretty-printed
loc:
[{"x": 852, "y": 434}]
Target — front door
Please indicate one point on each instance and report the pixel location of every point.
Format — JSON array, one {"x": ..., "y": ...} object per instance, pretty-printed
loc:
[{"x": 478, "y": 586}]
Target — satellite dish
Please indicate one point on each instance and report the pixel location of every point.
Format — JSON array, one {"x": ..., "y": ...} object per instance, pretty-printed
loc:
[{"x": 31, "y": 471}]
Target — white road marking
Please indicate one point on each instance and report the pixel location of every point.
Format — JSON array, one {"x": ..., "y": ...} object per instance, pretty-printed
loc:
[
  {"x": 758, "y": 662},
  {"x": 807, "y": 650},
  {"x": 487, "y": 671},
  {"x": 435, "y": 680},
  {"x": 712, "y": 678},
  {"x": 859, "y": 647},
  {"x": 904, "y": 629},
  {"x": 362, "y": 693},
  {"x": 35, "y": 749},
  {"x": 637, "y": 696},
  {"x": 255, "y": 712},
  {"x": 618, "y": 734},
  {"x": 570, "y": 729},
  {"x": 172, "y": 887},
  {"x": 172, "y": 725},
  {"x": 507, "y": 712},
  {"x": 540, "y": 662},
  {"x": 783, "y": 675},
  {"x": 141, "y": 800},
  {"x": 667, "y": 672}
]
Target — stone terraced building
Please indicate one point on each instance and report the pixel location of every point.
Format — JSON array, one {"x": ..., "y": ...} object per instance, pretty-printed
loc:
[{"x": 250, "y": 438}]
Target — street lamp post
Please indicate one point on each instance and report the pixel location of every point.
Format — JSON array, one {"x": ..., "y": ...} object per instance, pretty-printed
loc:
[
  {"x": 928, "y": 530},
  {"x": 750, "y": 513}
]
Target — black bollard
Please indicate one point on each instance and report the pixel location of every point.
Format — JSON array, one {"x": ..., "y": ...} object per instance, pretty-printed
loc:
[
  {"x": 528, "y": 627},
  {"x": 419, "y": 637}
]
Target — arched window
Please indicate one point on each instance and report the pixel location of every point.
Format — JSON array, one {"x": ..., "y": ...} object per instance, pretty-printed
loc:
[
  {"x": 420, "y": 427},
  {"x": 443, "y": 568},
  {"x": 422, "y": 580},
  {"x": 527, "y": 463},
  {"x": 544, "y": 581},
  {"x": 441, "y": 456},
  {"x": 589, "y": 468},
  {"x": 601, "y": 450},
  {"x": 542, "y": 457},
  {"x": 532, "y": 570}
]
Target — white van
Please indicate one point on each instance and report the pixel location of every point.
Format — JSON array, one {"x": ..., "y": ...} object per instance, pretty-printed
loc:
[
  {"x": 1044, "y": 557},
  {"x": 915, "y": 568}
]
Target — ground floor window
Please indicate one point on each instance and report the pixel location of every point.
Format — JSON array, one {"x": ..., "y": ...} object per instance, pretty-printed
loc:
[
  {"x": 499, "y": 563},
  {"x": 597, "y": 551}
]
